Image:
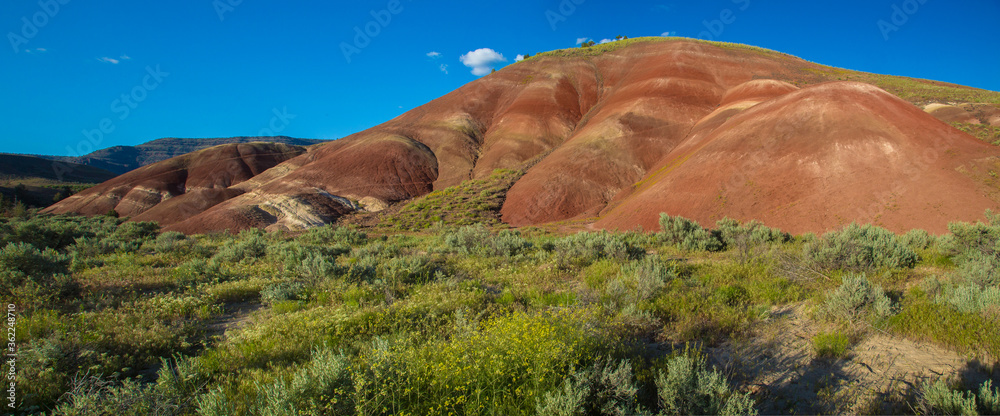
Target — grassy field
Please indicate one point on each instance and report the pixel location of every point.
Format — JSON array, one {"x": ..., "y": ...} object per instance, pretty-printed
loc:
[{"x": 119, "y": 318}]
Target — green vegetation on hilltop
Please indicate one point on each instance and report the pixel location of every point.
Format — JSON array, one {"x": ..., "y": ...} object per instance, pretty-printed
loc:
[
  {"x": 984, "y": 132},
  {"x": 917, "y": 91},
  {"x": 117, "y": 317},
  {"x": 602, "y": 48}
]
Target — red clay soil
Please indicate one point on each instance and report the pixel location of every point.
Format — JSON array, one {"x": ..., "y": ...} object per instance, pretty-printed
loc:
[
  {"x": 817, "y": 159},
  {"x": 688, "y": 128}
]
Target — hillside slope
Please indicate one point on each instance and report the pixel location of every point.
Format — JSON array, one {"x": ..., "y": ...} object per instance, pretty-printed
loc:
[{"x": 623, "y": 131}]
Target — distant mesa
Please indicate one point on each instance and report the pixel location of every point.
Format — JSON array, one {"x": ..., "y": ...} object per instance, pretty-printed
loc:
[{"x": 610, "y": 137}]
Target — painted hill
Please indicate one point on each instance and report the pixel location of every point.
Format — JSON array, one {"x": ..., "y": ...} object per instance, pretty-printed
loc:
[
  {"x": 121, "y": 159},
  {"x": 180, "y": 187},
  {"x": 612, "y": 135}
]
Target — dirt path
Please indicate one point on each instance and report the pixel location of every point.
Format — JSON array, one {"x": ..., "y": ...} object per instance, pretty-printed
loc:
[{"x": 879, "y": 375}]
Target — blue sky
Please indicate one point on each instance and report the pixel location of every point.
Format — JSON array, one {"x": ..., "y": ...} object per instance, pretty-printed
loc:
[{"x": 221, "y": 68}]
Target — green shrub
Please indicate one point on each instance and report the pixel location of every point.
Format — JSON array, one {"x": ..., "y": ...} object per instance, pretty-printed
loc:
[
  {"x": 509, "y": 243},
  {"x": 407, "y": 269},
  {"x": 333, "y": 235},
  {"x": 96, "y": 396},
  {"x": 131, "y": 235},
  {"x": 745, "y": 237},
  {"x": 55, "y": 232},
  {"x": 282, "y": 291},
  {"x": 172, "y": 241},
  {"x": 831, "y": 344},
  {"x": 32, "y": 277},
  {"x": 604, "y": 388},
  {"x": 25, "y": 259},
  {"x": 322, "y": 387},
  {"x": 639, "y": 280},
  {"x": 860, "y": 248},
  {"x": 689, "y": 388},
  {"x": 179, "y": 380},
  {"x": 980, "y": 269},
  {"x": 856, "y": 300},
  {"x": 198, "y": 271},
  {"x": 478, "y": 240},
  {"x": 939, "y": 399},
  {"x": 249, "y": 244},
  {"x": 971, "y": 298},
  {"x": 470, "y": 239},
  {"x": 917, "y": 239},
  {"x": 688, "y": 234},
  {"x": 989, "y": 398},
  {"x": 582, "y": 249},
  {"x": 977, "y": 237},
  {"x": 310, "y": 261}
]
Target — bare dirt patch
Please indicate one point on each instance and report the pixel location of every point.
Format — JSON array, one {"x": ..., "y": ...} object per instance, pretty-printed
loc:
[{"x": 879, "y": 375}]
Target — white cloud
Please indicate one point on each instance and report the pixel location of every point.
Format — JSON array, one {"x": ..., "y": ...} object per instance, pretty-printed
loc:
[
  {"x": 668, "y": 34},
  {"x": 36, "y": 50},
  {"x": 444, "y": 68},
  {"x": 579, "y": 41},
  {"x": 519, "y": 58},
  {"x": 125, "y": 57},
  {"x": 107, "y": 60},
  {"x": 482, "y": 60},
  {"x": 605, "y": 40},
  {"x": 434, "y": 55}
]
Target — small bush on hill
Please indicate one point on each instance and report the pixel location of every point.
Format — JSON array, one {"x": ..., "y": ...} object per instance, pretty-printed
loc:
[
  {"x": 856, "y": 300},
  {"x": 972, "y": 298},
  {"x": 198, "y": 271},
  {"x": 831, "y": 344},
  {"x": 172, "y": 241},
  {"x": 333, "y": 235},
  {"x": 478, "y": 240},
  {"x": 937, "y": 398},
  {"x": 689, "y": 388},
  {"x": 605, "y": 388},
  {"x": 860, "y": 248},
  {"x": 980, "y": 269},
  {"x": 917, "y": 239},
  {"x": 745, "y": 237},
  {"x": 131, "y": 235},
  {"x": 249, "y": 244},
  {"x": 282, "y": 291},
  {"x": 25, "y": 259},
  {"x": 584, "y": 248},
  {"x": 639, "y": 280},
  {"x": 975, "y": 237},
  {"x": 688, "y": 234}
]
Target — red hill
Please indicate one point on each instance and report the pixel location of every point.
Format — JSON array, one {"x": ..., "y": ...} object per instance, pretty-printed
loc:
[{"x": 617, "y": 133}]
